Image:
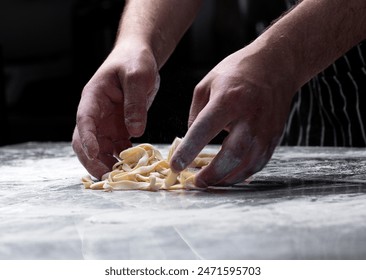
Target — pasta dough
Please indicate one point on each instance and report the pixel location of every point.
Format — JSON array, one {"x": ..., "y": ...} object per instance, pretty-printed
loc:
[{"x": 143, "y": 168}]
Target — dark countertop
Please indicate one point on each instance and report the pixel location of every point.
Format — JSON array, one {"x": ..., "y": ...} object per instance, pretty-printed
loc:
[{"x": 308, "y": 203}]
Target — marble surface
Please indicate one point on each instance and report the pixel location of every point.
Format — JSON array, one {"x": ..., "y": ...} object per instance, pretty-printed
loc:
[{"x": 308, "y": 203}]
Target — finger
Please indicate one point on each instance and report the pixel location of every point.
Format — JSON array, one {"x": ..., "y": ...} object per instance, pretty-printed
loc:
[
  {"x": 201, "y": 96},
  {"x": 106, "y": 157},
  {"x": 210, "y": 121},
  {"x": 256, "y": 158},
  {"x": 106, "y": 154},
  {"x": 232, "y": 155},
  {"x": 86, "y": 126},
  {"x": 95, "y": 167},
  {"x": 251, "y": 165},
  {"x": 152, "y": 94},
  {"x": 137, "y": 84}
]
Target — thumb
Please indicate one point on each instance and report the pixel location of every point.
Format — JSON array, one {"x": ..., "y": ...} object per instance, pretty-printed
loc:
[
  {"x": 152, "y": 94},
  {"x": 136, "y": 88}
]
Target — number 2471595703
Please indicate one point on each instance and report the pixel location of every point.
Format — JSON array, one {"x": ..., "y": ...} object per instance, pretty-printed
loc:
[{"x": 229, "y": 270}]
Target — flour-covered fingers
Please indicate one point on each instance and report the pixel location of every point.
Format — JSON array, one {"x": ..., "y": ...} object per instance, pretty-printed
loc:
[
  {"x": 252, "y": 163},
  {"x": 86, "y": 129},
  {"x": 231, "y": 157},
  {"x": 94, "y": 166},
  {"x": 206, "y": 126}
]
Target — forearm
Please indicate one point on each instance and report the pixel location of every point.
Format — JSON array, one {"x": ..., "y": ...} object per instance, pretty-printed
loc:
[
  {"x": 312, "y": 36},
  {"x": 158, "y": 23}
]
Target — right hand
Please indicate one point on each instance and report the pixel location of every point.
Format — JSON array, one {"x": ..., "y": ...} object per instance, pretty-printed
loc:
[
  {"x": 247, "y": 95},
  {"x": 113, "y": 106}
]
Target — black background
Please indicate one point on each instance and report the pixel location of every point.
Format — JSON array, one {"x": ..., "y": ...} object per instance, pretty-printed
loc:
[{"x": 49, "y": 49}]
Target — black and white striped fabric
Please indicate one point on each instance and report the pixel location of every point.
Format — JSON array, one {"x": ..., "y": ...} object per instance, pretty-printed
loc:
[{"x": 330, "y": 110}]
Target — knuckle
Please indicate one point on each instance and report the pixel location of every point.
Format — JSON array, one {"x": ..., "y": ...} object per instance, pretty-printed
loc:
[
  {"x": 140, "y": 77},
  {"x": 228, "y": 103},
  {"x": 200, "y": 94},
  {"x": 231, "y": 97},
  {"x": 135, "y": 107},
  {"x": 87, "y": 88},
  {"x": 94, "y": 85},
  {"x": 199, "y": 89},
  {"x": 134, "y": 75},
  {"x": 80, "y": 118}
]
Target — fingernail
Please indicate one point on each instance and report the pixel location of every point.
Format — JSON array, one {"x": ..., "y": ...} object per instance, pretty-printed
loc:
[
  {"x": 134, "y": 124},
  {"x": 135, "y": 128},
  {"x": 178, "y": 164}
]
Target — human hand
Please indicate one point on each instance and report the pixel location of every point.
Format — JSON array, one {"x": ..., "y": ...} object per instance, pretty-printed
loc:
[
  {"x": 250, "y": 98},
  {"x": 113, "y": 107}
]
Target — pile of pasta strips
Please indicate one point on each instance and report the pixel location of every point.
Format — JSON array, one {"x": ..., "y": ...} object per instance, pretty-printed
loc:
[{"x": 143, "y": 168}]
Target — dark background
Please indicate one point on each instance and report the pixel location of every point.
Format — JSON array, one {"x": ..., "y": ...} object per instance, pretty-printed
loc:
[{"x": 49, "y": 49}]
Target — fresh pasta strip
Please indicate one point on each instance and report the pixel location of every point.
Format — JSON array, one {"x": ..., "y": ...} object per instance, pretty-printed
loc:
[{"x": 143, "y": 168}]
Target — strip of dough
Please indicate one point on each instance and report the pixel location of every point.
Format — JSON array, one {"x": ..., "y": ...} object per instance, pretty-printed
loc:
[{"x": 143, "y": 168}]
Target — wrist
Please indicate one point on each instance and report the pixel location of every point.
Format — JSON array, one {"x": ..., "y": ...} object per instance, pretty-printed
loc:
[
  {"x": 275, "y": 64},
  {"x": 159, "y": 24},
  {"x": 144, "y": 43},
  {"x": 133, "y": 44}
]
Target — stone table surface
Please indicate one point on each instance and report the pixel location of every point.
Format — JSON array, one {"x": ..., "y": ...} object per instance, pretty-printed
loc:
[{"x": 308, "y": 203}]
